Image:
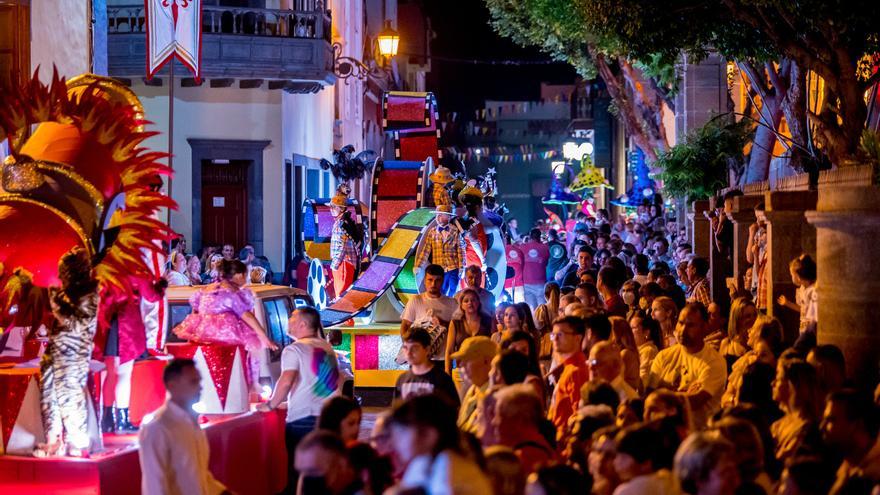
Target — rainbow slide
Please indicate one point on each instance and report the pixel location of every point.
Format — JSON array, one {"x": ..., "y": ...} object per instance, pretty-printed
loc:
[{"x": 399, "y": 216}]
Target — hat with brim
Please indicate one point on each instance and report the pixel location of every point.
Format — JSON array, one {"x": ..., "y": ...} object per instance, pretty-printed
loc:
[
  {"x": 441, "y": 176},
  {"x": 444, "y": 210},
  {"x": 471, "y": 189},
  {"x": 339, "y": 201},
  {"x": 478, "y": 347}
]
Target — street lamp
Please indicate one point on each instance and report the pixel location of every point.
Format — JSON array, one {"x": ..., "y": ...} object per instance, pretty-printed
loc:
[
  {"x": 388, "y": 39},
  {"x": 345, "y": 67}
]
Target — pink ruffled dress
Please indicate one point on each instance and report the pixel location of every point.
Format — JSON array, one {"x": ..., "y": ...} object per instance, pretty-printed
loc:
[{"x": 216, "y": 318}]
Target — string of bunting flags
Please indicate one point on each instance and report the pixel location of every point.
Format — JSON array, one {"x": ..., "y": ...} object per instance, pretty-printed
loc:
[{"x": 501, "y": 154}]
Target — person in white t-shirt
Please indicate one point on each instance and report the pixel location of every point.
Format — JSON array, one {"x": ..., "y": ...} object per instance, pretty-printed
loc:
[
  {"x": 309, "y": 376},
  {"x": 430, "y": 307},
  {"x": 691, "y": 367},
  {"x": 803, "y": 274}
]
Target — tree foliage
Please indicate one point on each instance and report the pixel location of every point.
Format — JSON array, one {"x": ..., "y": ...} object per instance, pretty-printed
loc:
[
  {"x": 699, "y": 166},
  {"x": 559, "y": 28},
  {"x": 836, "y": 39},
  {"x": 554, "y": 26}
]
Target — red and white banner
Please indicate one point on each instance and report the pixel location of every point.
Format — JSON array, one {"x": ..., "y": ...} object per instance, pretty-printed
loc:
[{"x": 174, "y": 28}]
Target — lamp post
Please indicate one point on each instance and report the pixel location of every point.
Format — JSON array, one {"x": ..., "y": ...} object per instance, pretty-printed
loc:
[
  {"x": 386, "y": 44},
  {"x": 388, "y": 40}
]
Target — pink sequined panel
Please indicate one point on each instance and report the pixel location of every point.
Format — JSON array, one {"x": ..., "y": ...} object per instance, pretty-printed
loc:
[{"x": 366, "y": 355}]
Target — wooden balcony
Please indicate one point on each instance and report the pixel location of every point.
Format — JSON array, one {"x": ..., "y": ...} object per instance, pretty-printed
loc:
[{"x": 290, "y": 49}]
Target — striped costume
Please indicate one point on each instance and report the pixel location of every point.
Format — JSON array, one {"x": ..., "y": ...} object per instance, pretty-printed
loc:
[{"x": 64, "y": 370}]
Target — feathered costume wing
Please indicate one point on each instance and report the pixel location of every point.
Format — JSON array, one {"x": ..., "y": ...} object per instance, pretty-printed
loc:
[
  {"x": 81, "y": 179},
  {"x": 347, "y": 166}
]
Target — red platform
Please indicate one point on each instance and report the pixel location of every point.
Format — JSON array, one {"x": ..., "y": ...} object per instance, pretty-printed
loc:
[{"x": 247, "y": 454}]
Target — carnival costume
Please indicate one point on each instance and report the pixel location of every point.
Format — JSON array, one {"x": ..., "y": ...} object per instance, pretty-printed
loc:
[
  {"x": 81, "y": 180},
  {"x": 64, "y": 367},
  {"x": 217, "y": 317},
  {"x": 344, "y": 240},
  {"x": 121, "y": 338},
  {"x": 475, "y": 234},
  {"x": 445, "y": 246},
  {"x": 440, "y": 178}
]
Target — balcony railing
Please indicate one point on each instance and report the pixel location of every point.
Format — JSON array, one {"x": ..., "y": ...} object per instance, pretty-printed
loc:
[
  {"x": 237, "y": 42},
  {"x": 313, "y": 24}
]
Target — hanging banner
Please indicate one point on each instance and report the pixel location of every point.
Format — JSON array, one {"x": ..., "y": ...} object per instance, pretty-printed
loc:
[{"x": 174, "y": 28}]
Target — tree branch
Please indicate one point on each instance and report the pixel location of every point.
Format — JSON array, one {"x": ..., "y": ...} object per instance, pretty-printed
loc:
[
  {"x": 756, "y": 80},
  {"x": 775, "y": 78},
  {"x": 632, "y": 123}
]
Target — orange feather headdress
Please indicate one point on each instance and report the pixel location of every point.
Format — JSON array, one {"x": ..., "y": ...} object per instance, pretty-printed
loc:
[{"x": 82, "y": 178}]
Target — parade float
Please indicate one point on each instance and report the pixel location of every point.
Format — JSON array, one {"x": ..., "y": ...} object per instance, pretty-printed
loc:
[
  {"x": 79, "y": 188},
  {"x": 401, "y": 212}
]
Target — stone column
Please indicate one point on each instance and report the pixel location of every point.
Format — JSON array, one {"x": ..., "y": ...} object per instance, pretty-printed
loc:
[
  {"x": 789, "y": 235},
  {"x": 700, "y": 229},
  {"x": 742, "y": 215},
  {"x": 847, "y": 221},
  {"x": 702, "y": 91}
]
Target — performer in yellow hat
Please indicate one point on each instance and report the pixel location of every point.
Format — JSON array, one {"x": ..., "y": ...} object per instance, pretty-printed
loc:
[
  {"x": 344, "y": 253},
  {"x": 445, "y": 246},
  {"x": 440, "y": 178}
]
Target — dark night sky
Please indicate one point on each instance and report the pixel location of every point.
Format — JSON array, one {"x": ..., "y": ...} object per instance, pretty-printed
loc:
[{"x": 463, "y": 31}]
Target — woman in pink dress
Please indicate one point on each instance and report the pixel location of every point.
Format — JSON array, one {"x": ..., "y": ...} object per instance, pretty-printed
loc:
[{"x": 223, "y": 312}]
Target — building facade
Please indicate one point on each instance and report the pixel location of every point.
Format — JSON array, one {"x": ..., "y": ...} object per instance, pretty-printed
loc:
[
  {"x": 248, "y": 137},
  {"x": 522, "y": 140}
]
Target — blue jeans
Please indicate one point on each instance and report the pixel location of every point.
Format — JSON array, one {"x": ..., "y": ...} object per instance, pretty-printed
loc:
[
  {"x": 294, "y": 432},
  {"x": 450, "y": 283}
]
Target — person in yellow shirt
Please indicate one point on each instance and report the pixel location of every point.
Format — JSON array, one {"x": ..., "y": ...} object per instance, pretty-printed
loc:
[{"x": 691, "y": 367}]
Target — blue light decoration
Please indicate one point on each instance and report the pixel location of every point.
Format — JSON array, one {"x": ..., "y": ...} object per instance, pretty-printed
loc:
[{"x": 643, "y": 190}]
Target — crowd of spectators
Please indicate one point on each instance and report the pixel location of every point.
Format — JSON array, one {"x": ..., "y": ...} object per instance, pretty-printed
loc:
[
  {"x": 617, "y": 374},
  {"x": 620, "y": 374},
  {"x": 184, "y": 269}
]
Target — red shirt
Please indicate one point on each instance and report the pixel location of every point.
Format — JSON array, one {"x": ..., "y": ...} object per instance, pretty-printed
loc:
[
  {"x": 567, "y": 394},
  {"x": 515, "y": 264},
  {"x": 615, "y": 306},
  {"x": 535, "y": 262},
  {"x": 534, "y": 451}
]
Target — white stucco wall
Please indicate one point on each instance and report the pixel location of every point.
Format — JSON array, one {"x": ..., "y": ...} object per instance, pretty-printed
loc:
[
  {"x": 62, "y": 44},
  {"x": 220, "y": 113},
  {"x": 307, "y": 124}
]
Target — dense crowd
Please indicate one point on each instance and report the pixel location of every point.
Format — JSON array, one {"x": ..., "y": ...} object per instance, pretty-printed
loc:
[
  {"x": 614, "y": 372},
  {"x": 184, "y": 269}
]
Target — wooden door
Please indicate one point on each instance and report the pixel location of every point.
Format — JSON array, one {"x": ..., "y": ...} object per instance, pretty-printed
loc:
[
  {"x": 224, "y": 203},
  {"x": 14, "y": 42}
]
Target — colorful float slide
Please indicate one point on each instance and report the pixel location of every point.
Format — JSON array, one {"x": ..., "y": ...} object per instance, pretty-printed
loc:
[{"x": 400, "y": 214}]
